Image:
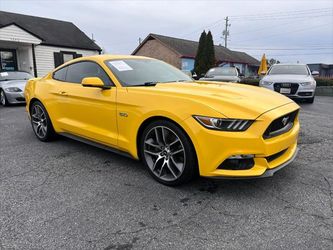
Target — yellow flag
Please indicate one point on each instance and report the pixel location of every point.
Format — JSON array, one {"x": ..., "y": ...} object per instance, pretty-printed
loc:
[{"x": 263, "y": 66}]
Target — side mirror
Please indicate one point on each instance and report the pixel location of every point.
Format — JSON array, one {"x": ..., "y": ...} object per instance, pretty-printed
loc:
[
  {"x": 315, "y": 73},
  {"x": 94, "y": 82}
]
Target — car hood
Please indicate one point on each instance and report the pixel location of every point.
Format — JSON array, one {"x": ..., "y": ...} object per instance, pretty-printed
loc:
[
  {"x": 287, "y": 78},
  {"x": 230, "y": 99},
  {"x": 14, "y": 83}
]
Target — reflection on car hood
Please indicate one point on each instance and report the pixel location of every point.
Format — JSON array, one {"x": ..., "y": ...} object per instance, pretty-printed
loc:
[
  {"x": 14, "y": 83},
  {"x": 220, "y": 78},
  {"x": 287, "y": 78},
  {"x": 249, "y": 101}
]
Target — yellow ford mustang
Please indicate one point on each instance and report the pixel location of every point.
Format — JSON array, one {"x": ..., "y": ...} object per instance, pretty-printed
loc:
[{"x": 179, "y": 128}]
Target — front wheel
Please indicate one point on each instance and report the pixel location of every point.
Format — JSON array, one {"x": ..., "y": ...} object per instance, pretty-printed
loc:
[
  {"x": 41, "y": 123},
  {"x": 168, "y": 153},
  {"x": 3, "y": 98}
]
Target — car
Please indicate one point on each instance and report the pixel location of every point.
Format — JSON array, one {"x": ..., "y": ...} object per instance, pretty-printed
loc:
[
  {"x": 293, "y": 80},
  {"x": 222, "y": 74},
  {"x": 12, "y": 85},
  {"x": 150, "y": 111}
]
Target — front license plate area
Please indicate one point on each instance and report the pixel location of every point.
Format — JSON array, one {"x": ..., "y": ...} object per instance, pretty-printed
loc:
[{"x": 285, "y": 90}]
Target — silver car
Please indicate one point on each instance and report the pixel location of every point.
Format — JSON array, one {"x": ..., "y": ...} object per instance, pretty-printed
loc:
[
  {"x": 12, "y": 84},
  {"x": 222, "y": 74},
  {"x": 293, "y": 80}
]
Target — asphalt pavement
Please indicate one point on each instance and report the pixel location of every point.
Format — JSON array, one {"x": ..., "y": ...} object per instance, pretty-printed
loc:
[{"x": 69, "y": 195}]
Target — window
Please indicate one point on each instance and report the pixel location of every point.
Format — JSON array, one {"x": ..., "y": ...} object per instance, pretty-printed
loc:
[
  {"x": 60, "y": 74},
  {"x": 8, "y": 60},
  {"x": 77, "y": 71},
  {"x": 288, "y": 70},
  {"x": 68, "y": 57},
  {"x": 136, "y": 72}
]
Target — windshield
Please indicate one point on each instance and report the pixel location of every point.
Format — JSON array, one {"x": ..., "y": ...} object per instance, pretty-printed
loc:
[
  {"x": 14, "y": 75},
  {"x": 136, "y": 72},
  {"x": 227, "y": 71},
  {"x": 288, "y": 70}
]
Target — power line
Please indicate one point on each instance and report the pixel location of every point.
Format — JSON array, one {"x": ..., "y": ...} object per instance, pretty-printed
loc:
[
  {"x": 251, "y": 48},
  {"x": 303, "y": 54}
]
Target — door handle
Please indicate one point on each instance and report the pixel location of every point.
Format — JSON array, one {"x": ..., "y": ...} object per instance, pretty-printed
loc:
[{"x": 63, "y": 93}]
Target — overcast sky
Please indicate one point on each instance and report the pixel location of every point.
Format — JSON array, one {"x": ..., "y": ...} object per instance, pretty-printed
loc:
[{"x": 288, "y": 30}]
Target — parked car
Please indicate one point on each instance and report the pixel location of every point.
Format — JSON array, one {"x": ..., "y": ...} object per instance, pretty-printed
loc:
[
  {"x": 12, "y": 85},
  {"x": 293, "y": 80},
  {"x": 149, "y": 110},
  {"x": 222, "y": 74}
]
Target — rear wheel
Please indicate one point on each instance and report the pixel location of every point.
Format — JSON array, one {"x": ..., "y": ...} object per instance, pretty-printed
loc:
[
  {"x": 168, "y": 153},
  {"x": 3, "y": 98},
  {"x": 41, "y": 123}
]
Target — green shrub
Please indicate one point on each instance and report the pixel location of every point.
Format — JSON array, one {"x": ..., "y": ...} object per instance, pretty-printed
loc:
[{"x": 324, "y": 81}]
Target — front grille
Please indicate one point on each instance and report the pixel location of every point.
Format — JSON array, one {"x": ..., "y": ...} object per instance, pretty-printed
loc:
[
  {"x": 280, "y": 125},
  {"x": 275, "y": 156},
  {"x": 20, "y": 99},
  {"x": 293, "y": 87}
]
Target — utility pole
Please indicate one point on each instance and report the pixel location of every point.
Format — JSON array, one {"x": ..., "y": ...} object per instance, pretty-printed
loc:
[{"x": 226, "y": 31}]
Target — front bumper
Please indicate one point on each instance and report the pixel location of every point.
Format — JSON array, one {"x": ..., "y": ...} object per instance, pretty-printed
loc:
[
  {"x": 299, "y": 92},
  {"x": 214, "y": 147},
  {"x": 15, "y": 97}
]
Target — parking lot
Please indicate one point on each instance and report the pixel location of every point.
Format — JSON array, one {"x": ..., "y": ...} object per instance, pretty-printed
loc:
[{"x": 69, "y": 195}]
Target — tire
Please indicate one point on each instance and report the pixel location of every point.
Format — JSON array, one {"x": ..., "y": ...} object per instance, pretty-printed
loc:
[
  {"x": 168, "y": 153},
  {"x": 310, "y": 100},
  {"x": 3, "y": 98},
  {"x": 41, "y": 122}
]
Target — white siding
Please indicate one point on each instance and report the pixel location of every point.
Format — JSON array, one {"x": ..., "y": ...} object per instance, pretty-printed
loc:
[
  {"x": 45, "y": 57},
  {"x": 13, "y": 33}
]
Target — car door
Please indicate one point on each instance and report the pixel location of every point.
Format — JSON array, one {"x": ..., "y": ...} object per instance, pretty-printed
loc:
[{"x": 88, "y": 112}]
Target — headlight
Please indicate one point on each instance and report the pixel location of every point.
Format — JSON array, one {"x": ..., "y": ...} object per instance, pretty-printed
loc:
[
  {"x": 223, "y": 124},
  {"x": 265, "y": 83},
  {"x": 307, "y": 83},
  {"x": 13, "y": 89}
]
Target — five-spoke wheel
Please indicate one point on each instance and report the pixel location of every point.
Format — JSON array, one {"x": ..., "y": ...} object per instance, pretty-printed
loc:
[
  {"x": 167, "y": 152},
  {"x": 40, "y": 121}
]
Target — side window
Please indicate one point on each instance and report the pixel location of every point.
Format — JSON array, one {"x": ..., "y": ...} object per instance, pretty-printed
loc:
[
  {"x": 77, "y": 71},
  {"x": 60, "y": 74}
]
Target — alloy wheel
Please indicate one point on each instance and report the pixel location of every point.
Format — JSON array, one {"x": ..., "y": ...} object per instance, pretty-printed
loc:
[
  {"x": 39, "y": 121},
  {"x": 164, "y": 153},
  {"x": 2, "y": 98}
]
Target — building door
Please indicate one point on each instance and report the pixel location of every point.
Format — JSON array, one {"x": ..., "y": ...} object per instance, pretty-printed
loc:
[{"x": 8, "y": 60}]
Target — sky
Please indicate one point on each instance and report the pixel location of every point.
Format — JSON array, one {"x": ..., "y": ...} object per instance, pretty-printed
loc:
[{"x": 287, "y": 30}]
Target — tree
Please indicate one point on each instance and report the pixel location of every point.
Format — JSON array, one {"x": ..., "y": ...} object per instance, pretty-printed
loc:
[
  {"x": 210, "y": 51},
  {"x": 205, "y": 57},
  {"x": 200, "y": 61},
  {"x": 273, "y": 61}
]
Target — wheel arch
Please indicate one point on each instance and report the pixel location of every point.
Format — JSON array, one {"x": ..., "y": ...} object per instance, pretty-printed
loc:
[{"x": 151, "y": 119}]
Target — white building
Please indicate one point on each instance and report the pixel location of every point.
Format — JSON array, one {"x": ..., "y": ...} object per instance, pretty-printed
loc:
[{"x": 38, "y": 45}]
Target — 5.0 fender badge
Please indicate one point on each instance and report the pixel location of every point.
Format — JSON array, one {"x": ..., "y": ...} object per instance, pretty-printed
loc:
[{"x": 123, "y": 114}]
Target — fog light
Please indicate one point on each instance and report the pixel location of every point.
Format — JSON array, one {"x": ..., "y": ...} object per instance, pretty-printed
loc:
[
  {"x": 241, "y": 157},
  {"x": 238, "y": 162}
]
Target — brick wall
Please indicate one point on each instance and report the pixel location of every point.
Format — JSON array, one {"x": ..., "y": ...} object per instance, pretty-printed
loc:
[{"x": 155, "y": 49}]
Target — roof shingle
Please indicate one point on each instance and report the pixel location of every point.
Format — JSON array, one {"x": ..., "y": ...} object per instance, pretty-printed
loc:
[
  {"x": 51, "y": 31},
  {"x": 188, "y": 48}
]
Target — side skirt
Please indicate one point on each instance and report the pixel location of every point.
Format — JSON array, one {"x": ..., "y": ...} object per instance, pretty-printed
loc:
[{"x": 96, "y": 144}]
